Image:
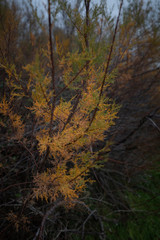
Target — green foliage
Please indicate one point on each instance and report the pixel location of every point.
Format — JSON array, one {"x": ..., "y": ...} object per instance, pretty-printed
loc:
[{"x": 143, "y": 222}]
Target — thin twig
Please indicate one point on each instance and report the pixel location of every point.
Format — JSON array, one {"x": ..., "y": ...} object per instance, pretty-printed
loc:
[
  {"x": 154, "y": 124},
  {"x": 84, "y": 223},
  {"x": 107, "y": 66},
  {"x": 53, "y": 84},
  {"x": 40, "y": 230},
  {"x": 72, "y": 80}
]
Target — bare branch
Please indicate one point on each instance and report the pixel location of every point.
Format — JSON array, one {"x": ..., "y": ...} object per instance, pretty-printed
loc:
[{"x": 107, "y": 66}]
